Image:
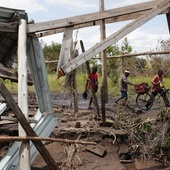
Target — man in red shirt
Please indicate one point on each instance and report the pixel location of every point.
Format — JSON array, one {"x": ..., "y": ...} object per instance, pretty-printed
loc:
[
  {"x": 92, "y": 82},
  {"x": 156, "y": 87}
]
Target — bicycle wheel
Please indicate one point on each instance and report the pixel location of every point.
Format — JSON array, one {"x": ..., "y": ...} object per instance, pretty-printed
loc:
[{"x": 142, "y": 101}]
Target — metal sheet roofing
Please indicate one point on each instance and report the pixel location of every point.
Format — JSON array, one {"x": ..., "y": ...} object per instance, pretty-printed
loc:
[{"x": 8, "y": 40}]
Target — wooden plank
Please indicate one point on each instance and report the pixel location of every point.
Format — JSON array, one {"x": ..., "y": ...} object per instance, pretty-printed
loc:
[
  {"x": 94, "y": 23},
  {"x": 6, "y": 118},
  {"x": 8, "y": 27},
  {"x": 98, "y": 149},
  {"x": 26, "y": 126},
  {"x": 72, "y": 21},
  {"x": 5, "y": 122},
  {"x": 82, "y": 58},
  {"x": 11, "y": 74},
  {"x": 66, "y": 49},
  {"x": 18, "y": 138}
]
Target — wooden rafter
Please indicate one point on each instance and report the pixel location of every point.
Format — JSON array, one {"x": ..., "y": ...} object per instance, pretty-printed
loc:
[
  {"x": 91, "y": 18},
  {"x": 95, "y": 23},
  {"x": 82, "y": 58},
  {"x": 6, "y": 73},
  {"x": 8, "y": 27}
]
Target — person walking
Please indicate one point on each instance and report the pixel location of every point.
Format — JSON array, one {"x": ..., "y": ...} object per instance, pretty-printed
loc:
[
  {"x": 156, "y": 81},
  {"x": 92, "y": 82},
  {"x": 123, "y": 86}
]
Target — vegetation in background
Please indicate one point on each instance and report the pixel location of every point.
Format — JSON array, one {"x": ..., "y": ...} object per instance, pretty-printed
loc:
[
  {"x": 116, "y": 65},
  {"x": 51, "y": 53},
  {"x": 142, "y": 69}
]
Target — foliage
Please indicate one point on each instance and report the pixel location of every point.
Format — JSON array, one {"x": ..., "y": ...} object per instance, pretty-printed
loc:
[
  {"x": 51, "y": 53},
  {"x": 147, "y": 137},
  {"x": 115, "y": 66},
  {"x": 161, "y": 61}
]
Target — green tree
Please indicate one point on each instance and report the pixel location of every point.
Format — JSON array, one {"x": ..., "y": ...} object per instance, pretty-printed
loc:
[
  {"x": 51, "y": 53},
  {"x": 161, "y": 61},
  {"x": 116, "y": 65}
]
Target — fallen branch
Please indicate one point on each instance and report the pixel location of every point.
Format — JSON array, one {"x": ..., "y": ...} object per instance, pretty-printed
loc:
[{"x": 18, "y": 138}]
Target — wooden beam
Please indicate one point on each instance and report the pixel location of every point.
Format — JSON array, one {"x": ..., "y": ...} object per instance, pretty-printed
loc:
[
  {"x": 11, "y": 74},
  {"x": 8, "y": 27},
  {"x": 94, "y": 23},
  {"x": 82, "y": 19},
  {"x": 18, "y": 138},
  {"x": 124, "y": 55},
  {"x": 158, "y": 8},
  {"x": 139, "y": 54},
  {"x": 66, "y": 49}
]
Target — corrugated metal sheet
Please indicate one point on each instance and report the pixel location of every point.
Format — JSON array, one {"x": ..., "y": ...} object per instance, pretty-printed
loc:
[
  {"x": 43, "y": 128},
  {"x": 8, "y": 40}
]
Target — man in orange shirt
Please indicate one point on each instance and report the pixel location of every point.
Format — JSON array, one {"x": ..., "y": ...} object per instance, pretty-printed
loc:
[{"x": 156, "y": 87}]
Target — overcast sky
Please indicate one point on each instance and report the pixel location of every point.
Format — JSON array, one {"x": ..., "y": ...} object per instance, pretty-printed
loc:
[{"x": 144, "y": 38}]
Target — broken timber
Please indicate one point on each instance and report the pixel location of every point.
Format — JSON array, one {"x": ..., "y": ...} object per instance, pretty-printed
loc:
[
  {"x": 157, "y": 9},
  {"x": 17, "y": 138},
  {"x": 26, "y": 126},
  {"x": 6, "y": 73},
  {"x": 92, "y": 19}
]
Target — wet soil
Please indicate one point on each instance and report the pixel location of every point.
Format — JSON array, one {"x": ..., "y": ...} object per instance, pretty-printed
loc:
[{"x": 113, "y": 142}]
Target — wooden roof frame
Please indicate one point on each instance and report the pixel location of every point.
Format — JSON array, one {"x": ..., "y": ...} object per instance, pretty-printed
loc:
[
  {"x": 92, "y": 19},
  {"x": 138, "y": 13},
  {"x": 158, "y": 7}
]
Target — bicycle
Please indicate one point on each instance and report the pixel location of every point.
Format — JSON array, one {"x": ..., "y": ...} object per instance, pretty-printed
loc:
[{"x": 145, "y": 99}]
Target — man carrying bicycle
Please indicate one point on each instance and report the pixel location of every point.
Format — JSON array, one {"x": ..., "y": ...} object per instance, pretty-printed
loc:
[{"x": 157, "y": 88}]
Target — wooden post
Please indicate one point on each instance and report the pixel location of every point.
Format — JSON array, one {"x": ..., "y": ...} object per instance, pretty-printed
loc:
[
  {"x": 24, "y": 149},
  {"x": 104, "y": 91},
  {"x": 89, "y": 73},
  {"x": 70, "y": 82},
  {"x": 26, "y": 126},
  {"x": 103, "y": 104},
  {"x": 74, "y": 86},
  {"x": 103, "y": 53}
]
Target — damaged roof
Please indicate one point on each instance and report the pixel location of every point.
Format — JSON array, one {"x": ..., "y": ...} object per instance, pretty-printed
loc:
[{"x": 9, "y": 20}]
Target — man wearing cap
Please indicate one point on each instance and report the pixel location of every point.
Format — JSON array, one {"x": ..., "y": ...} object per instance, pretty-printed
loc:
[{"x": 124, "y": 86}]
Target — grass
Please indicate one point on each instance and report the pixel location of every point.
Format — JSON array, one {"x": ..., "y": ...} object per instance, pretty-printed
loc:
[{"x": 58, "y": 85}]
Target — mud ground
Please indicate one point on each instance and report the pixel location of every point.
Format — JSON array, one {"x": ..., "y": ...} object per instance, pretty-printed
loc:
[{"x": 77, "y": 156}]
